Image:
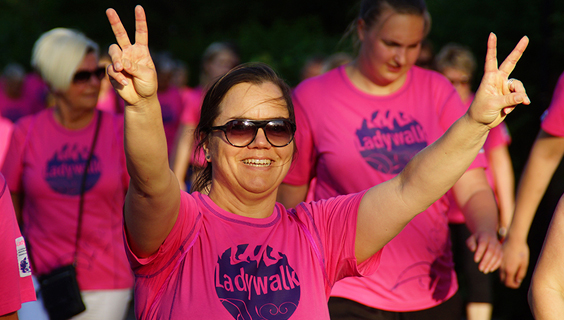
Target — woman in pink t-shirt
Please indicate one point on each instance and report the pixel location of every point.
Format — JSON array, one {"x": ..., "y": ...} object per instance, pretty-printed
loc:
[
  {"x": 66, "y": 171},
  {"x": 16, "y": 286},
  {"x": 235, "y": 252},
  {"x": 358, "y": 126}
]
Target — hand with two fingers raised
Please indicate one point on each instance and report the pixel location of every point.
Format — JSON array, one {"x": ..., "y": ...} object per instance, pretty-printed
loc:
[
  {"x": 132, "y": 71},
  {"x": 498, "y": 95}
]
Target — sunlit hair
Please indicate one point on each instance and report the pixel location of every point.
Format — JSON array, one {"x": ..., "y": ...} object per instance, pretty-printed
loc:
[
  {"x": 58, "y": 53},
  {"x": 457, "y": 57},
  {"x": 253, "y": 73},
  {"x": 371, "y": 12}
]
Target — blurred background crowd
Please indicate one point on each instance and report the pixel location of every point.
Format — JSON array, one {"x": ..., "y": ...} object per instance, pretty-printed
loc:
[{"x": 193, "y": 42}]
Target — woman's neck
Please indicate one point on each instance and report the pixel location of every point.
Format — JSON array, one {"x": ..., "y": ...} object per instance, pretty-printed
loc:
[
  {"x": 247, "y": 205},
  {"x": 363, "y": 81},
  {"x": 71, "y": 118}
]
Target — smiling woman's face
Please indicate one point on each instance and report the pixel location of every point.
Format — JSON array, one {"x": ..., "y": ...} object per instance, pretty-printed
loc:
[{"x": 259, "y": 167}]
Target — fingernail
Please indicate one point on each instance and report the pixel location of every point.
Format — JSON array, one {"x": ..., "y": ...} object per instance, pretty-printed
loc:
[
  {"x": 124, "y": 82},
  {"x": 527, "y": 99},
  {"x": 117, "y": 66},
  {"x": 519, "y": 99}
]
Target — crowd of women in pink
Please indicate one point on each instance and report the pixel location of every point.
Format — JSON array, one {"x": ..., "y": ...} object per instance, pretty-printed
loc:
[{"x": 243, "y": 198}]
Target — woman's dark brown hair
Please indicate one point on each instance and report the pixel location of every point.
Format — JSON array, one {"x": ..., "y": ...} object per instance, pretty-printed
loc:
[{"x": 254, "y": 73}]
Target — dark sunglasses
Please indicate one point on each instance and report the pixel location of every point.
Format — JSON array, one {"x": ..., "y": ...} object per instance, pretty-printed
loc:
[
  {"x": 84, "y": 76},
  {"x": 242, "y": 132}
]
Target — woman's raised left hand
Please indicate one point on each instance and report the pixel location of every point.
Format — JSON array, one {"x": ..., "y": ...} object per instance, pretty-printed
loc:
[
  {"x": 132, "y": 71},
  {"x": 498, "y": 95}
]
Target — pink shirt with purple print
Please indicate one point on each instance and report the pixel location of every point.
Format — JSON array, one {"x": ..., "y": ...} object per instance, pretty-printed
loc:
[
  {"x": 218, "y": 265},
  {"x": 350, "y": 141}
]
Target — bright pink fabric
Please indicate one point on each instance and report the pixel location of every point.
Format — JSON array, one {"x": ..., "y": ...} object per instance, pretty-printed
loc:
[
  {"x": 171, "y": 110},
  {"x": 350, "y": 141},
  {"x": 553, "y": 117},
  {"x": 6, "y": 128},
  {"x": 218, "y": 265},
  {"x": 498, "y": 136},
  {"x": 16, "y": 286},
  {"x": 192, "y": 100},
  {"x": 111, "y": 102},
  {"x": 45, "y": 163}
]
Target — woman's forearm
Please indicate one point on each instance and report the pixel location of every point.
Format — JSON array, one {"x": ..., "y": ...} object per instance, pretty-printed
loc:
[
  {"x": 544, "y": 158},
  {"x": 145, "y": 147}
]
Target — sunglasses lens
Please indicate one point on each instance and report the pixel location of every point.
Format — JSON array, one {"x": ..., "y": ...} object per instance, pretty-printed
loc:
[
  {"x": 279, "y": 132},
  {"x": 241, "y": 133},
  {"x": 84, "y": 76},
  {"x": 100, "y": 73},
  {"x": 81, "y": 76}
]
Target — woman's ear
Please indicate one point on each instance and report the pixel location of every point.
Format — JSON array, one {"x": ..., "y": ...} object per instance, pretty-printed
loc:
[
  {"x": 206, "y": 149},
  {"x": 360, "y": 29}
]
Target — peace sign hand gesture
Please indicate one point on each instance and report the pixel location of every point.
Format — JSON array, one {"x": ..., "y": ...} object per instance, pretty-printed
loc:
[
  {"x": 497, "y": 95},
  {"x": 132, "y": 71}
]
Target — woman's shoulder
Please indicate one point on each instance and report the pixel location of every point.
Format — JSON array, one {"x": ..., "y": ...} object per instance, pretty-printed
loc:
[
  {"x": 320, "y": 82},
  {"x": 25, "y": 122},
  {"x": 427, "y": 76}
]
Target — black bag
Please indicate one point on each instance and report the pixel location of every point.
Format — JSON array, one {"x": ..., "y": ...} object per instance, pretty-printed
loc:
[{"x": 60, "y": 292}]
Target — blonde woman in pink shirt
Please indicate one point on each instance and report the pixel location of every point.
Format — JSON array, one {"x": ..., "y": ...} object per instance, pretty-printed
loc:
[
  {"x": 65, "y": 168},
  {"x": 234, "y": 253}
]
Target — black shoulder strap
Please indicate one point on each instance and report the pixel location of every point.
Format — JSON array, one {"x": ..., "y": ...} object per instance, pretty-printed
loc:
[{"x": 83, "y": 185}]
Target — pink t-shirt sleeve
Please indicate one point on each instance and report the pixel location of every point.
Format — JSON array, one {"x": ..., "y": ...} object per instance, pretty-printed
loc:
[
  {"x": 333, "y": 223},
  {"x": 552, "y": 120},
  {"x": 302, "y": 169},
  {"x": 13, "y": 164},
  {"x": 6, "y": 128},
  {"x": 16, "y": 285},
  {"x": 183, "y": 231},
  {"x": 498, "y": 136}
]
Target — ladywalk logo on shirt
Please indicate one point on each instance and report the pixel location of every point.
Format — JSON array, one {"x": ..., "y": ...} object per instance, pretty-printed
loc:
[
  {"x": 389, "y": 140},
  {"x": 65, "y": 169},
  {"x": 256, "y": 283}
]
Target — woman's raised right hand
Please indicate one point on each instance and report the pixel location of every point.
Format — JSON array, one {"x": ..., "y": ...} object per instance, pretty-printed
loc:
[{"x": 132, "y": 71}]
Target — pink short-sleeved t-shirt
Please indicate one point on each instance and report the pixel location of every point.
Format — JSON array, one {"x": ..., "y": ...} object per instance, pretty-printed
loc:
[
  {"x": 218, "y": 265},
  {"x": 45, "y": 164},
  {"x": 350, "y": 141},
  {"x": 553, "y": 117},
  {"x": 16, "y": 286}
]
